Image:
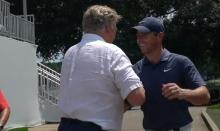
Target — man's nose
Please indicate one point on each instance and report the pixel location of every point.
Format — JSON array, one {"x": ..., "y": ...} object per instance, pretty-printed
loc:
[{"x": 139, "y": 39}]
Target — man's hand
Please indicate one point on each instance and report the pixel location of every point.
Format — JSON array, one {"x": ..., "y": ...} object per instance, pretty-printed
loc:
[
  {"x": 172, "y": 91},
  {"x": 197, "y": 96}
]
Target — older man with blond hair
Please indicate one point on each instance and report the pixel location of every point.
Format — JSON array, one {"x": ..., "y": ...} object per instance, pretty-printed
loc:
[{"x": 97, "y": 77}]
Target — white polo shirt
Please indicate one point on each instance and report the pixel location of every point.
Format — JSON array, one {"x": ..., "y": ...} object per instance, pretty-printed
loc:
[{"x": 96, "y": 77}]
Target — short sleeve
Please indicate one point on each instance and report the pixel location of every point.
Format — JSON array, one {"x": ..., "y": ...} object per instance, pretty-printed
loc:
[
  {"x": 3, "y": 101},
  {"x": 124, "y": 76},
  {"x": 192, "y": 76}
]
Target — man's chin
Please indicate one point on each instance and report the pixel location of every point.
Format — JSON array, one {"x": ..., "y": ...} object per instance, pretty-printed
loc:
[{"x": 143, "y": 51}]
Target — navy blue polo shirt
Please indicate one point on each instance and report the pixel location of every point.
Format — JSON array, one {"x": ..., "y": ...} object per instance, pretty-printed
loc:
[{"x": 159, "y": 112}]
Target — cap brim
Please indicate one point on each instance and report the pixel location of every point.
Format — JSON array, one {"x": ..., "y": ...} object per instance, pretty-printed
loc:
[{"x": 141, "y": 29}]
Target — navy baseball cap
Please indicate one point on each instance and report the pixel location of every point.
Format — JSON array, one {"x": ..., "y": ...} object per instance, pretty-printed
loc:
[{"x": 150, "y": 24}]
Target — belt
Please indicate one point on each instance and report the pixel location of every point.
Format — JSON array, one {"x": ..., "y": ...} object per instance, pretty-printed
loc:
[
  {"x": 186, "y": 127},
  {"x": 83, "y": 123},
  {"x": 173, "y": 129}
]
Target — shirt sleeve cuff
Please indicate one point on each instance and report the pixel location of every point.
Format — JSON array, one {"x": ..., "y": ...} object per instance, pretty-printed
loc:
[{"x": 128, "y": 90}]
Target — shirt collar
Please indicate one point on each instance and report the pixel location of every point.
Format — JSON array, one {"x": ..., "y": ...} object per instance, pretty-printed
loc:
[
  {"x": 164, "y": 57},
  {"x": 91, "y": 37}
]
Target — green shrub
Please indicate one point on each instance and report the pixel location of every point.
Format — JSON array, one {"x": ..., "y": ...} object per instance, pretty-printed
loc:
[{"x": 217, "y": 106}]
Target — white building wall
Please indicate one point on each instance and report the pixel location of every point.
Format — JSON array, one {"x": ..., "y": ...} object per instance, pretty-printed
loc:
[{"x": 19, "y": 81}]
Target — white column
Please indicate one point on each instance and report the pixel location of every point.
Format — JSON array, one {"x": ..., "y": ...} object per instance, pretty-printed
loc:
[{"x": 25, "y": 8}]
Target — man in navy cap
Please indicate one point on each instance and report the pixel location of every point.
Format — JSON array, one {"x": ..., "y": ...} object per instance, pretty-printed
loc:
[{"x": 171, "y": 81}]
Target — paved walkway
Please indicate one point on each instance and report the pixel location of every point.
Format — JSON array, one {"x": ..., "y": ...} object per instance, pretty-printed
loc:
[
  {"x": 198, "y": 122},
  {"x": 133, "y": 121}
]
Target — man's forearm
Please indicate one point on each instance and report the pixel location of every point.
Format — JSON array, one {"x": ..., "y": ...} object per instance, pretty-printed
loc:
[
  {"x": 4, "y": 116},
  {"x": 199, "y": 96},
  {"x": 136, "y": 97}
]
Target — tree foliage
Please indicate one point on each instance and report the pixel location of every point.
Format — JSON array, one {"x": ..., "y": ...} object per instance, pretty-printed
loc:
[{"x": 192, "y": 26}]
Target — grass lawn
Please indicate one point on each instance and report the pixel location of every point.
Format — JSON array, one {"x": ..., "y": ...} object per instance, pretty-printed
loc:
[
  {"x": 214, "y": 113},
  {"x": 19, "y": 129}
]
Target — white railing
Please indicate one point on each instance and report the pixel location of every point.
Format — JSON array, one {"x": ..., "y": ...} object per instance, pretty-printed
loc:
[
  {"x": 28, "y": 17},
  {"x": 18, "y": 27},
  {"x": 52, "y": 72},
  {"x": 22, "y": 29},
  {"x": 48, "y": 83},
  {"x": 4, "y": 13}
]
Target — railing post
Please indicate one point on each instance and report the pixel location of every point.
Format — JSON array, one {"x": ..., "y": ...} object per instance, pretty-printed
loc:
[{"x": 25, "y": 9}]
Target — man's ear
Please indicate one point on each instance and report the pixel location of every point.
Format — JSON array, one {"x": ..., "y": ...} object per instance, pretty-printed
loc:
[
  {"x": 108, "y": 28},
  {"x": 161, "y": 35}
]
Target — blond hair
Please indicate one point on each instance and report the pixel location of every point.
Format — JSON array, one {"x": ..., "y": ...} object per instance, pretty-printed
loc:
[{"x": 98, "y": 16}]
